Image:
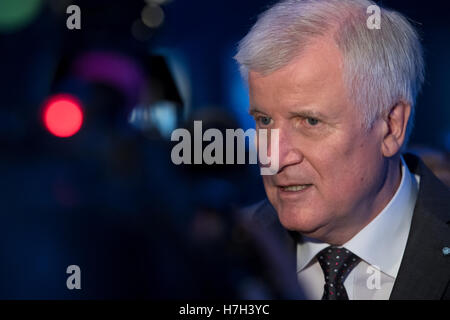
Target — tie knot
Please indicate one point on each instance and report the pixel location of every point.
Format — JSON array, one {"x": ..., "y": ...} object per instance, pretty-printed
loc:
[{"x": 336, "y": 263}]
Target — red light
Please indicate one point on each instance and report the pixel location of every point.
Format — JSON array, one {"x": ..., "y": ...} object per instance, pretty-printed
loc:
[{"x": 63, "y": 115}]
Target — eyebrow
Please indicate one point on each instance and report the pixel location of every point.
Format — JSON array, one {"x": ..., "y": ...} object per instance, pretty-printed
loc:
[
  {"x": 253, "y": 110},
  {"x": 307, "y": 113}
]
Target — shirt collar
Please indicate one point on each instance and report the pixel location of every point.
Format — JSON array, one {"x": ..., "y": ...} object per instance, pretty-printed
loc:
[{"x": 393, "y": 223}]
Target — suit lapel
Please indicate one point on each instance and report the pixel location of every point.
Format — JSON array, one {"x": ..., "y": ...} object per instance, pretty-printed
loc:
[{"x": 425, "y": 272}]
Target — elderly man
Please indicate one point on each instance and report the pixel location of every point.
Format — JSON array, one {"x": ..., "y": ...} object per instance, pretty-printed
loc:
[{"x": 364, "y": 221}]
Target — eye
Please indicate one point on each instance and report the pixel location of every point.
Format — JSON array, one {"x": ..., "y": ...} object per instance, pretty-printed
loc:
[
  {"x": 312, "y": 121},
  {"x": 265, "y": 121}
]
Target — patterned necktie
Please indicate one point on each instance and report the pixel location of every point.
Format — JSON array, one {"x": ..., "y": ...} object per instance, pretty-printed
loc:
[{"x": 336, "y": 264}]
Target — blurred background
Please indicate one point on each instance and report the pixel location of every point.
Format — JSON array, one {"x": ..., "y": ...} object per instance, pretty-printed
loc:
[{"x": 85, "y": 122}]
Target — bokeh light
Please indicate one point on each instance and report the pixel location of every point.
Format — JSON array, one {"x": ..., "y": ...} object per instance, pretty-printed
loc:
[
  {"x": 63, "y": 115},
  {"x": 152, "y": 16},
  {"x": 15, "y": 15}
]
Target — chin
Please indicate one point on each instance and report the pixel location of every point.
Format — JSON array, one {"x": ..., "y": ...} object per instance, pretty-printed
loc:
[{"x": 302, "y": 221}]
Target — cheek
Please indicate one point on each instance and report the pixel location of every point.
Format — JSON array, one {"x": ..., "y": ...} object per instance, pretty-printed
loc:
[{"x": 343, "y": 166}]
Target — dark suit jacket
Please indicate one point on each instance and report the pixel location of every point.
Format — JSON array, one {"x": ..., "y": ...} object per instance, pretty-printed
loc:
[{"x": 424, "y": 271}]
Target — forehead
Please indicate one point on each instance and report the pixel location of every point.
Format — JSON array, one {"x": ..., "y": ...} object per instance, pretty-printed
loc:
[{"x": 314, "y": 76}]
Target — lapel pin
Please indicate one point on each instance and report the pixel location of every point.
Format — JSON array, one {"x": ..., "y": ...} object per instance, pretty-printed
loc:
[{"x": 446, "y": 251}]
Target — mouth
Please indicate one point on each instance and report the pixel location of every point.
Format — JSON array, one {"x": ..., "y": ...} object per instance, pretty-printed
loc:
[{"x": 295, "y": 188}]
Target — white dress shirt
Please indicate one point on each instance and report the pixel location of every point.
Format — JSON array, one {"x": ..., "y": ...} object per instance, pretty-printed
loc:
[{"x": 380, "y": 245}]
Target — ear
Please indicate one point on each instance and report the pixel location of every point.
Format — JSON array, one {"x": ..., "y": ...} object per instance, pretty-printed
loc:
[{"x": 396, "y": 122}]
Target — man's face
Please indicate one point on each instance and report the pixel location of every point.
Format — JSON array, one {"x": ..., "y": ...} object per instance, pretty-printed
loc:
[{"x": 330, "y": 165}]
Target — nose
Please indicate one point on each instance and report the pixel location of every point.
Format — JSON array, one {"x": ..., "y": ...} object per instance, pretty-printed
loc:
[{"x": 289, "y": 153}]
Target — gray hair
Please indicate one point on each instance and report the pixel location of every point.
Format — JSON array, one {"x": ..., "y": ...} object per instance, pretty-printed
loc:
[{"x": 381, "y": 66}]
